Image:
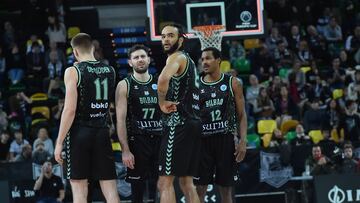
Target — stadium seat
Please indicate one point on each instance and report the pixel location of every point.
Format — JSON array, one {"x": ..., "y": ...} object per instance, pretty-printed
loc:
[
  {"x": 72, "y": 31},
  {"x": 242, "y": 65},
  {"x": 251, "y": 43},
  {"x": 290, "y": 135},
  {"x": 253, "y": 140},
  {"x": 334, "y": 135},
  {"x": 337, "y": 93},
  {"x": 316, "y": 136},
  {"x": 305, "y": 69},
  {"x": 266, "y": 126},
  {"x": 288, "y": 125},
  {"x": 116, "y": 146},
  {"x": 44, "y": 110},
  {"x": 225, "y": 66},
  {"x": 39, "y": 97},
  {"x": 283, "y": 73},
  {"x": 266, "y": 138}
]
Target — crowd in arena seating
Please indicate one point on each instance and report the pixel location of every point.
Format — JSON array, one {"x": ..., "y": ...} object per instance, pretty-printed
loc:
[{"x": 304, "y": 76}]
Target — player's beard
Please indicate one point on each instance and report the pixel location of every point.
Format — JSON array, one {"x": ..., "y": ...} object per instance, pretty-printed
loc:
[
  {"x": 140, "y": 70},
  {"x": 173, "y": 48}
]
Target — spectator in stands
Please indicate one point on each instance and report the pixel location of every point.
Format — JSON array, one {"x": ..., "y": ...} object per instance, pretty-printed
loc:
[
  {"x": 55, "y": 72},
  {"x": 314, "y": 39},
  {"x": 56, "y": 31},
  {"x": 275, "y": 87},
  {"x": 285, "y": 107},
  {"x": 294, "y": 39},
  {"x": 4, "y": 146},
  {"x": 20, "y": 107},
  {"x": 43, "y": 136},
  {"x": 350, "y": 122},
  {"x": 36, "y": 62},
  {"x": 323, "y": 20},
  {"x": 332, "y": 115},
  {"x": 2, "y": 67},
  {"x": 29, "y": 44},
  {"x": 348, "y": 163},
  {"x": 277, "y": 138},
  {"x": 15, "y": 65},
  {"x": 332, "y": 31},
  {"x": 274, "y": 38},
  {"x": 40, "y": 155},
  {"x": 252, "y": 91},
  {"x": 17, "y": 144},
  {"x": 49, "y": 187},
  {"x": 345, "y": 62},
  {"x": 327, "y": 144},
  {"x": 262, "y": 62},
  {"x": 300, "y": 78},
  {"x": 304, "y": 54},
  {"x": 264, "y": 107},
  {"x": 318, "y": 163},
  {"x": 25, "y": 155},
  {"x": 314, "y": 116},
  {"x": 3, "y": 117},
  {"x": 353, "y": 90},
  {"x": 336, "y": 76},
  {"x": 312, "y": 74},
  {"x": 236, "y": 51},
  {"x": 9, "y": 35},
  {"x": 283, "y": 57},
  {"x": 60, "y": 54},
  {"x": 301, "y": 138},
  {"x": 280, "y": 145},
  {"x": 354, "y": 45}
]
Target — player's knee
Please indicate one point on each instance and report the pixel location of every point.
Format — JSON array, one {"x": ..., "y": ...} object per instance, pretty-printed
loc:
[
  {"x": 164, "y": 183},
  {"x": 186, "y": 185}
]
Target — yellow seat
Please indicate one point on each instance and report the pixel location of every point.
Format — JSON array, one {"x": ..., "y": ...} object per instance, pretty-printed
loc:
[
  {"x": 39, "y": 97},
  {"x": 316, "y": 136},
  {"x": 337, "y": 93},
  {"x": 288, "y": 125},
  {"x": 36, "y": 121},
  {"x": 72, "y": 31},
  {"x": 266, "y": 138},
  {"x": 251, "y": 43},
  {"x": 335, "y": 135},
  {"x": 305, "y": 69},
  {"x": 266, "y": 126},
  {"x": 225, "y": 66},
  {"x": 44, "y": 110}
]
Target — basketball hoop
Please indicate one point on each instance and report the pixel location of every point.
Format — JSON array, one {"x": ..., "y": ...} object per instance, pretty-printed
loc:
[{"x": 209, "y": 35}]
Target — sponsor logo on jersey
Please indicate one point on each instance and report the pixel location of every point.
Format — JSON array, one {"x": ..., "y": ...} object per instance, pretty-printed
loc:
[
  {"x": 223, "y": 88},
  {"x": 154, "y": 86},
  {"x": 214, "y": 102},
  {"x": 99, "y": 105}
]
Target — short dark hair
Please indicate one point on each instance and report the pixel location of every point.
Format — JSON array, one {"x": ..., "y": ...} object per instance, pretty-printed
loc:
[
  {"x": 215, "y": 52},
  {"x": 180, "y": 29},
  {"x": 138, "y": 47},
  {"x": 82, "y": 41},
  {"x": 181, "y": 33}
]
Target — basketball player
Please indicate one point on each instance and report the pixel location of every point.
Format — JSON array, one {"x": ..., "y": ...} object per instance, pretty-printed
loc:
[
  {"x": 178, "y": 99},
  {"x": 89, "y": 87},
  {"x": 223, "y": 117},
  {"x": 138, "y": 122}
]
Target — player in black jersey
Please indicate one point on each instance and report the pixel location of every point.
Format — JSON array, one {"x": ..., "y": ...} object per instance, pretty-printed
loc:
[
  {"x": 138, "y": 122},
  {"x": 90, "y": 87},
  {"x": 178, "y": 88},
  {"x": 223, "y": 117}
]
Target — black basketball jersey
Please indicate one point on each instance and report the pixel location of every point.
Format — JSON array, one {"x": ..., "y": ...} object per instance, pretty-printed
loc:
[
  {"x": 95, "y": 87},
  {"x": 185, "y": 90},
  {"x": 217, "y": 106},
  {"x": 143, "y": 114}
]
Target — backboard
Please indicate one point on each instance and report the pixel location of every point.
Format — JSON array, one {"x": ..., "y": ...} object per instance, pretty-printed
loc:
[{"x": 241, "y": 18}]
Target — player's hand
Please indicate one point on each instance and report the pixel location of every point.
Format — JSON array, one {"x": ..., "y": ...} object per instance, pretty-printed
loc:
[
  {"x": 57, "y": 153},
  {"x": 168, "y": 106},
  {"x": 128, "y": 159},
  {"x": 240, "y": 151}
]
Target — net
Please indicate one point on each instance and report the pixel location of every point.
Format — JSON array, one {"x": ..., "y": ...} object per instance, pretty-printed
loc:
[{"x": 209, "y": 35}]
